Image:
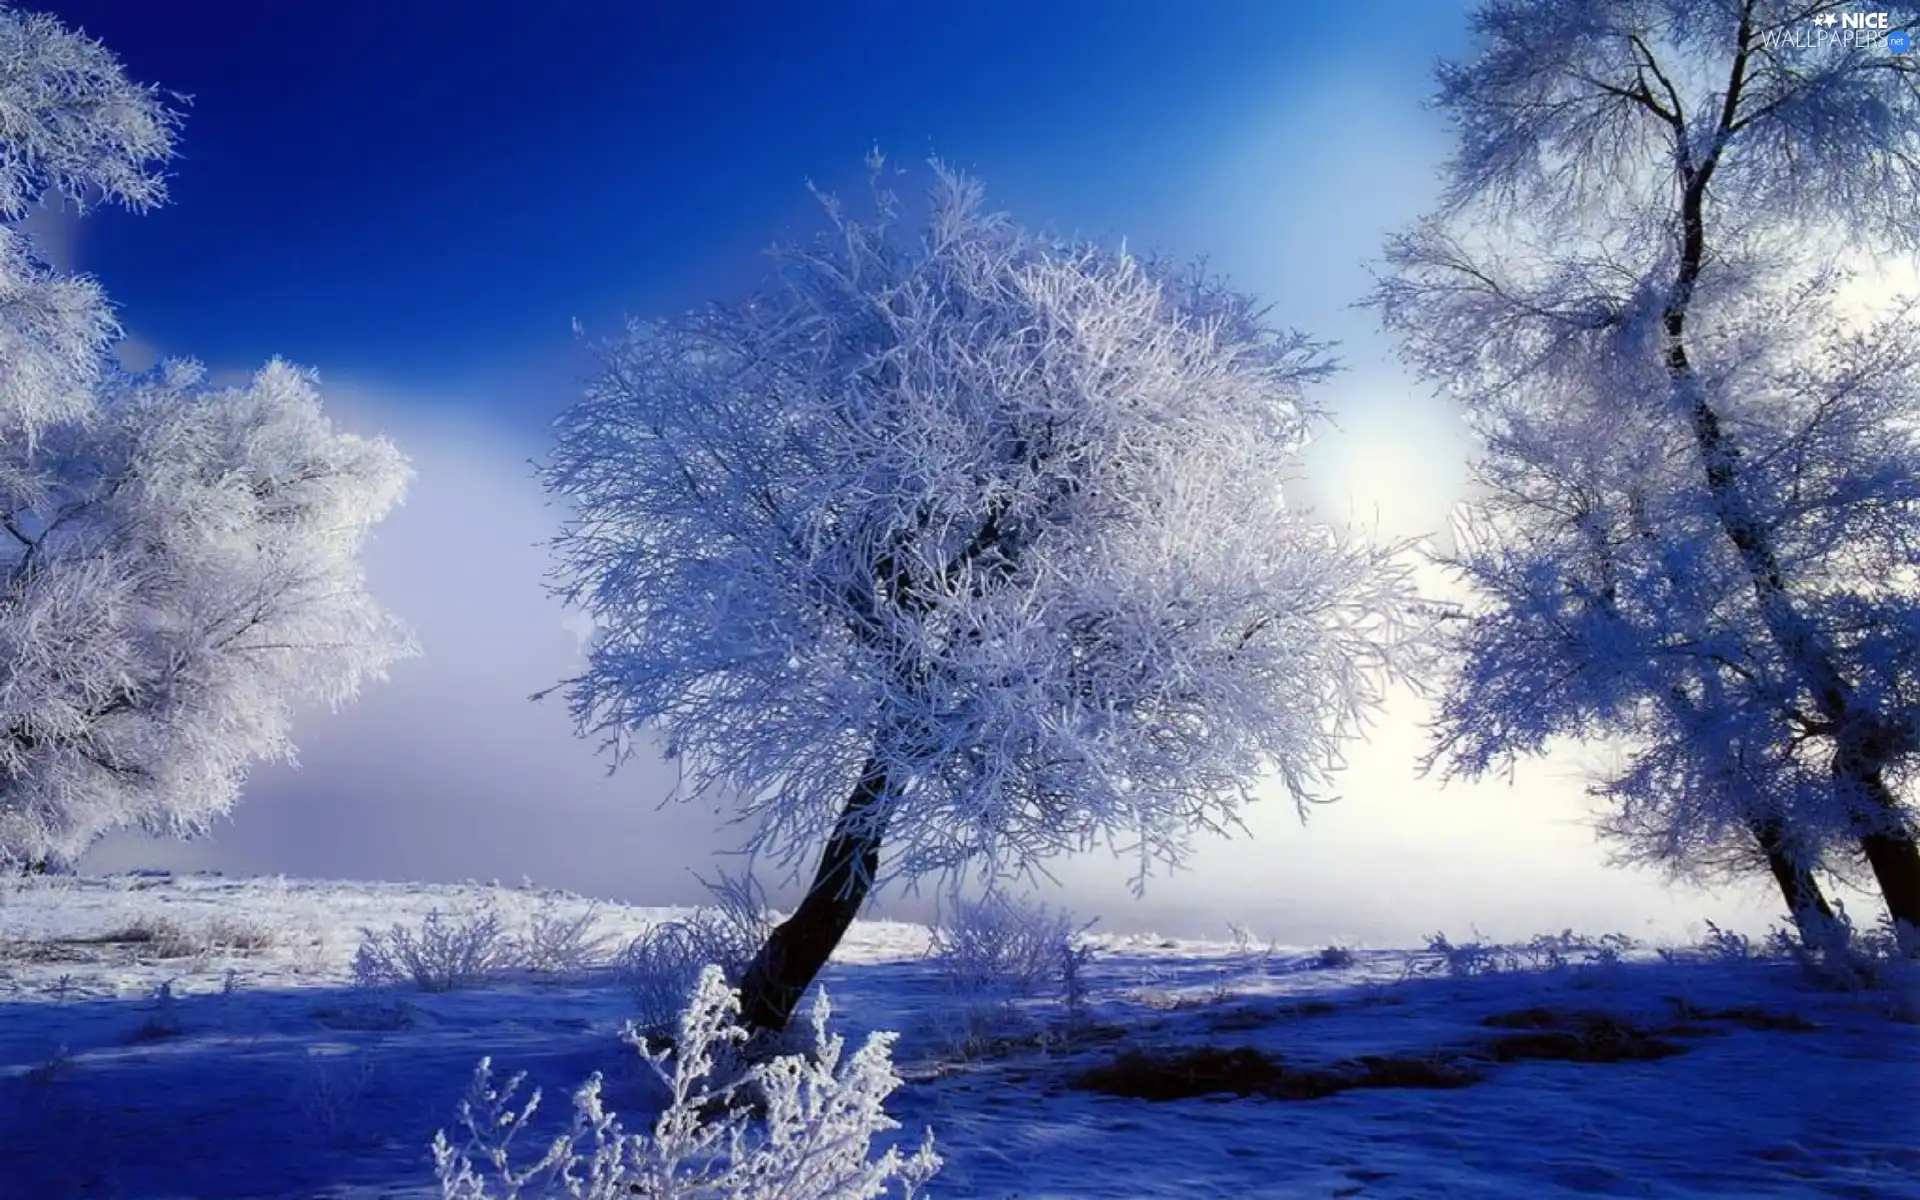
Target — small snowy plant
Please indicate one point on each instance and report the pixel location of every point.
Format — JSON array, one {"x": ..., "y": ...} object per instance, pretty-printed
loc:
[
  {"x": 665, "y": 961},
  {"x": 813, "y": 1143},
  {"x": 1003, "y": 945},
  {"x": 446, "y": 953},
  {"x": 557, "y": 945},
  {"x": 995, "y": 951}
]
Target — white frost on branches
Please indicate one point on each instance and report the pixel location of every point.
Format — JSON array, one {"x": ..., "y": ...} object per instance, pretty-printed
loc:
[
  {"x": 997, "y": 515},
  {"x": 813, "y": 1141},
  {"x": 1616, "y": 608},
  {"x": 190, "y": 579},
  {"x": 54, "y": 333},
  {"x": 72, "y": 125},
  {"x": 179, "y": 564},
  {"x": 1697, "y": 528},
  {"x": 71, "y": 122}
]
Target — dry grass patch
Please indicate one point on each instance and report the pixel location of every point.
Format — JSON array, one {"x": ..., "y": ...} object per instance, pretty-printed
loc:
[
  {"x": 152, "y": 937},
  {"x": 1582, "y": 1037},
  {"x": 1246, "y": 1071}
]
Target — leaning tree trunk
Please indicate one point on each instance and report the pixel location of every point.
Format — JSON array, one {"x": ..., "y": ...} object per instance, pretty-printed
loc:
[
  {"x": 799, "y": 947},
  {"x": 1858, "y": 764},
  {"x": 1806, "y": 904},
  {"x": 1890, "y": 848}
]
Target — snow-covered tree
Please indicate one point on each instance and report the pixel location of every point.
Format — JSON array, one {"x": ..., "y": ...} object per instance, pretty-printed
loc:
[
  {"x": 178, "y": 562},
  {"x": 72, "y": 125},
  {"x": 191, "y": 579},
  {"x": 972, "y": 545},
  {"x": 1698, "y": 530}
]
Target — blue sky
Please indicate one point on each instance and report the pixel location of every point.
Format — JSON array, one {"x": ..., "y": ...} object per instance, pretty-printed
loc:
[
  {"x": 429, "y": 192},
  {"x": 418, "y": 198}
]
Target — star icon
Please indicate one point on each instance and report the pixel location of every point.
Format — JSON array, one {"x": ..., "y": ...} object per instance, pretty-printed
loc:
[{"x": 1826, "y": 19}]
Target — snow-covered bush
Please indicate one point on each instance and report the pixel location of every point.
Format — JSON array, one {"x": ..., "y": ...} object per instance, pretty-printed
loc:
[
  {"x": 1463, "y": 959},
  {"x": 1334, "y": 957},
  {"x": 330, "y": 1096},
  {"x": 1542, "y": 952},
  {"x": 552, "y": 944},
  {"x": 444, "y": 954},
  {"x": 813, "y": 1143},
  {"x": 1250, "y": 951},
  {"x": 1725, "y": 945},
  {"x": 1555, "y": 951},
  {"x": 1000, "y": 945},
  {"x": 159, "y": 937},
  {"x": 995, "y": 951},
  {"x": 237, "y": 935},
  {"x": 1842, "y": 955},
  {"x": 665, "y": 961}
]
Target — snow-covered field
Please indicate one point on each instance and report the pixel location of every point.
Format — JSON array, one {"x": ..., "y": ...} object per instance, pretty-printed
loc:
[{"x": 172, "y": 1037}]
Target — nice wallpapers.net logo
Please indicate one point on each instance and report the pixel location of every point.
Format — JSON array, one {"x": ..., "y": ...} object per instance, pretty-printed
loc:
[{"x": 1843, "y": 30}]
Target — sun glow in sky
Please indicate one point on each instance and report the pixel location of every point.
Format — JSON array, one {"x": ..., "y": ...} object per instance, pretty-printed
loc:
[{"x": 418, "y": 199}]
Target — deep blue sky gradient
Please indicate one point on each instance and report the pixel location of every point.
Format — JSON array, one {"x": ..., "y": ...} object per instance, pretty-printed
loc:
[{"x": 428, "y": 192}]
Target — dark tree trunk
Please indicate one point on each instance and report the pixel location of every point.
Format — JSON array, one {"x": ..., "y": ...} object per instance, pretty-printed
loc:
[
  {"x": 1806, "y": 904},
  {"x": 1895, "y": 859},
  {"x": 800, "y": 946},
  {"x": 1890, "y": 850}
]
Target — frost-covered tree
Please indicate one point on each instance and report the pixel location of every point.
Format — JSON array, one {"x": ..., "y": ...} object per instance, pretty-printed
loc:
[
  {"x": 72, "y": 125},
  {"x": 178, "y": 562},
  {"x": 192, "y": 577},
  {"x": 972, "y": 546},
  {"x": 1698, "y": 532}
]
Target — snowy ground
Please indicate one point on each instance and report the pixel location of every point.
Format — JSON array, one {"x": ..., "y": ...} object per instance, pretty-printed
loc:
[{"x": 269, "y": 1074}]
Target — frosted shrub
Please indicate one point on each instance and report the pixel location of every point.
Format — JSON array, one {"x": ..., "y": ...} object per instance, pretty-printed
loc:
[
  {"x": 658, "y": 964},
  {"x": 1546, "y": 951},
  {"x": 1465, "y": 959},
  {"x": 664, "y": 963},
  {"x": 1842, "y": 955},
  {"x": 814, "y": 1142},
  {"x": 994, "y": 951},
  {"x": 1555, "y": 951},
  {"x": 1725, "y": 945},
  {"x": 1252, "y": 953},
  {"x": 444, "y": 954},
  {"x": 553, "y": 944},
  {"x": 998, "y": 945},
  {"x": 1335, "y": 957}
]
